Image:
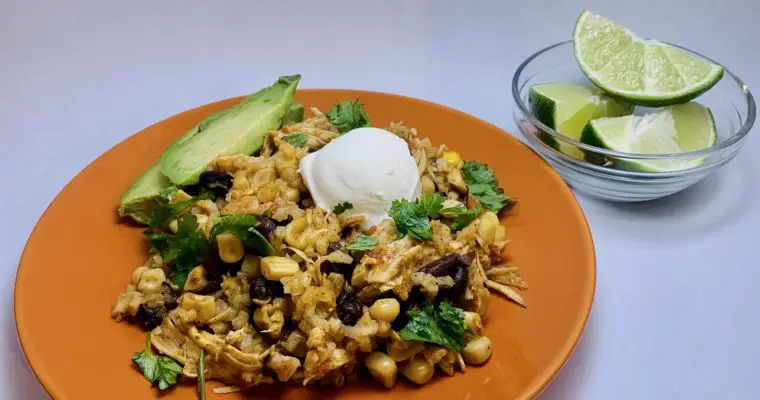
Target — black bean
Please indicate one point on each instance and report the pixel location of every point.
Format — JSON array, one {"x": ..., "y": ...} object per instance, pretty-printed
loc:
[
  {"x": 415, "y": 300},
  {"x": 441, "y": 267},
  {"x": 266, "y": 225},
  {"x": 327, "y": 267},
  {"x": 460, "y": 280},
  {"x": 149, "y": 317},
  {"x": 213, "y": 284},
  {"x": 193, "y": 190},
  {"x": 217, "y": 182},
  {"x": 350, "y": 308},
  {"x": 260, "y": 290},
  {"x": 276, "y": 288},
  {"x": 285, "y": 221},
  {"x": 170, "y": 296},
  {"x": 465, "y": 260},
  {"x": 334, "y": 246},
  {"x": 339, "y": 268}
]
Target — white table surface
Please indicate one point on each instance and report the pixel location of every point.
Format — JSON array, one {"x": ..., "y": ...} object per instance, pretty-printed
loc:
[{"x": 676, "y": 308}]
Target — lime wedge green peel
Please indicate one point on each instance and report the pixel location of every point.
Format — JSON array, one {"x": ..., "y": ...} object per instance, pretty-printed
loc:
[
  {"x": 676, "y": 129},
  {"x": 642, "y": 71},
  {"x": 567, "y": 108}
]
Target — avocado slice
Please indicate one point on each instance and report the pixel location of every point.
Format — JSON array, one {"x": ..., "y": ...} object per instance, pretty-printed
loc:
[
  {"x": 294, "y": 114},
  {"x": 238, "y": 130},
  {"x": 136, "y": 202}
]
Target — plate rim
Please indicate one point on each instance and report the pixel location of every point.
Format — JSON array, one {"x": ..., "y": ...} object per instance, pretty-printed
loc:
[{"x": 532, "y": 391}]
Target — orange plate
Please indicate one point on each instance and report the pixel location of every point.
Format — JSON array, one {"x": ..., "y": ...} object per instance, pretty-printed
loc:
[{"x": 80, "y": 258}]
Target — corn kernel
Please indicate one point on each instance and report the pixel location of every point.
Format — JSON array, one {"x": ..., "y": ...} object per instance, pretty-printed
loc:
[
  {"x": 453, "y": 158},
  {"x": 275, "y": 268},
  {"x": 295, "y": 233},
  {"x": 181, "y": 195},
  {"x": 230, "y": 247},
  {"x": 205, "y": 306},
  {"x": 196, "y": 279}
]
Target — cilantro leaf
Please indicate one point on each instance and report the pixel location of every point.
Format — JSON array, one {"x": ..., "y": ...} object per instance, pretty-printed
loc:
[
  {"x": 164, "y": 209},
  {"x": 296, "y": 139},
  {"x": 342, "y": 207},
  {"x": 444, "y": 326},
  {"x": 482, "y": 184},
  {"x": 243, "y": 226},
  {"x": 184, "y": 249},
  {"x": 431, "y": 204},
  {"x": 363, "y": 243},
  {"x": 410, "y": 219},
  {"x": 461, "y": 215},
  {"x": 348, "y": 115},
  {"x": 158, "y": 370}
]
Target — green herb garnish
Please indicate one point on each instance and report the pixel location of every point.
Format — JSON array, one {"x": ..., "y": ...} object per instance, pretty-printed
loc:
[
  {"x": 342, "y": 207},
  {"x": 482, "y": 185},
  {"x": 164, "y": 210},
  {"x": 159, "y": 370},
  {"x": 348, "y": 115},
  {"x": 296, "y": 139},
  {"x": 431, "y": 204},
  {"x": 444, "y": 326},
  {"x": 184, "y": 249},
  {"x": 411, "y": 219},
  {"x": 461, "y": 215},
  {"x": 363, "y": 243},
  {"x": 243, "y": 226}
]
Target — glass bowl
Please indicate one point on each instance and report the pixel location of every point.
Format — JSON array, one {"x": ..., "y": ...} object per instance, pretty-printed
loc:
[{"x": 600, "y": 174}]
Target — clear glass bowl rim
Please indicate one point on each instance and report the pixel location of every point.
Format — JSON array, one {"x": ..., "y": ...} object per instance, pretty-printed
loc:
[{"x": 735, "y": 138}]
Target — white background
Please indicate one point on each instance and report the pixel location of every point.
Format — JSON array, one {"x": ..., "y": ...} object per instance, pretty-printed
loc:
[{"x": 676, "y": 310}]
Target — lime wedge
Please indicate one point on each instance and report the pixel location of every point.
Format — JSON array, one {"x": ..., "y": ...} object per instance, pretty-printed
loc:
[
  {"x": 567, "y": 108},
  {"x": 676, "y": 129},
  {"x": 641, "y": 71}
]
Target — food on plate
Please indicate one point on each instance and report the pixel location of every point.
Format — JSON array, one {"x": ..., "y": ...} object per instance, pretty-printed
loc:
[
  {"x": 628, "y": 70},
  {"x": 641, "y": 71},
  {"x": 567, "y": 108},
  {"x": 263, "y": 270},
  {"x": 675, "y": 129}
]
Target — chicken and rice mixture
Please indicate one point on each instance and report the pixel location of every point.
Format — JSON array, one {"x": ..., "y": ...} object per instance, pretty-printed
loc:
[{"x": 317, "y": 310}]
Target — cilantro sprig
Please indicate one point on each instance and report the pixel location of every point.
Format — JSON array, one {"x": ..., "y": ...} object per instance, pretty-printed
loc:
[
  {"x": 164, "y": 209},
  {"x": 161, "y": 371},
  {"x": 342, "y": 207},
  {"x": 243, "y": 226},
  {"x": 348, "y": 115},
  {"x": 411, "y": 219},
  {"x": 184, "y": 249},
  {"x": 443, "y": 326},
  {"x": 461, "y": 216},
  {"x": 363, "y": 243},
  {"x": 296, "y": 139},
  {"x": 430, "y": 204},
  {"x": 482, "y": 184}
]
